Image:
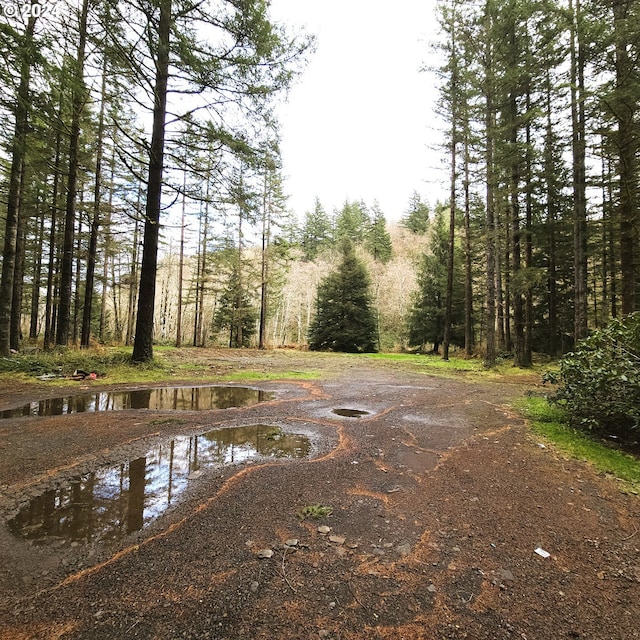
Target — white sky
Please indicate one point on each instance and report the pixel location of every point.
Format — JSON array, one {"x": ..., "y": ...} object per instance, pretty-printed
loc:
[{"x": 360, "y": 123}]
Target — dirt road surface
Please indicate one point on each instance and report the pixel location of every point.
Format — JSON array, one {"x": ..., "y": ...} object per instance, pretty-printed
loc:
[{"x": 440, "y": 498}]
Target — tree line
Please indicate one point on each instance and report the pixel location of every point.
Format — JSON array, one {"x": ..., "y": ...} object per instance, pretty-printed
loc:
[
  {"x": 540, "y": 102},
  {"x": 144, "y": 125},
  {"x": 113, "y": 113}
]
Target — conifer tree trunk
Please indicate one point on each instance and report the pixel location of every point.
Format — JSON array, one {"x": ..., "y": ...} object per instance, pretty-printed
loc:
[
  {"x": 37, "y": 276},
  {"x": 143, "y": 343},
  {"x": 18, "y": 275},
  {"x": 626, "y": 107},
  {"x": 49, "y": 316},
  {"x": 579, "y": 172},
  {"x": 490, "y": 312},
  {"x": 527, "y": 357},
  {"x": 92, "y": 254},
  {"x": 551, "y": 222},
  {"x": 266, "y": 233},
  {"x": 18, "y": 153},
  {"x": 453, "y": 114},
  {"x": 78, "y": 100},
  {"x": 181, "y": 262}
]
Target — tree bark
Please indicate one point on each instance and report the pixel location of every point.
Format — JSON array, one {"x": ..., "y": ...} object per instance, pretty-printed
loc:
[
  {"x": 626, "y": 107},
  {"x": 490, "y": 312},
  {"x": 95, "y": 219},
  {"x": 78, "y": 101},
  {"x": 18, "y": 153},
  {"x": 266, "y": 233},
  {"x": 579, "y": 172},
  {"x": 37, "y": 276},
  {"x": 18, "y": 276},
  {"x": 143, "y": 343}
]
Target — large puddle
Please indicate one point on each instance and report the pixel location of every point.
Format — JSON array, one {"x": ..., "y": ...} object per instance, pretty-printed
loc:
[
  {"x": 108, "y": 504},
  {"x": 165, "y": 398}
]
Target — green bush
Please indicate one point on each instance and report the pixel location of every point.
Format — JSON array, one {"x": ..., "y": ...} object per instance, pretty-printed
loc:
[{"x": 599, "y": 383}]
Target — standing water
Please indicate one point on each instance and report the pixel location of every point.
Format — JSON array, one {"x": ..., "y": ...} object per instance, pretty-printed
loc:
[
  {"x": 111, "y": 502},
  {"x": 165, "y": 398}
]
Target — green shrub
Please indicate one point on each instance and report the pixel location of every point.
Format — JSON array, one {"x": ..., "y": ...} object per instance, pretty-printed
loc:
[{"x": 599, "y": 383}]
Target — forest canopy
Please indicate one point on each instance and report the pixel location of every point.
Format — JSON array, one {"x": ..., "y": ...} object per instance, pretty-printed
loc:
[{"x": 142, "y": 196}]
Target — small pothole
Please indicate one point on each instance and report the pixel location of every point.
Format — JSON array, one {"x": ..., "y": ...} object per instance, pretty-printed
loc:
[{"x": 351, "y": 413}]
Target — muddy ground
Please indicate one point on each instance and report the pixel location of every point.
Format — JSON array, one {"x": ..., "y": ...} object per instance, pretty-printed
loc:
[{"x": 440, "y": 498}]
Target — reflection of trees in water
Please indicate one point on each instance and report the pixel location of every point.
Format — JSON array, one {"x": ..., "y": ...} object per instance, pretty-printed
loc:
[
  {"x": 135, "y": 511},
  {"x": 263, "y": 439},
  {"x": 139, "y": 399},
  {"x": 165, "y": 398},
  {"x": 114, "y": 501}
]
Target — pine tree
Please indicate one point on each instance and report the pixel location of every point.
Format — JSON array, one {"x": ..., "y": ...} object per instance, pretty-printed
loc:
[
  {"x": 236, "y": 312},
  {"x": 378, "y": 240},
  {"x": 316, "y": 232},
  {"x": 416, "y": 218},
  {"x": 427, "y": 316},
  {"x": 344, "y": 320},
  {"x": 352, "y": 222}
]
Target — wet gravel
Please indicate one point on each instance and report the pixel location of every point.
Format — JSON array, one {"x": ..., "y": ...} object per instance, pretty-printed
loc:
[{"x": 439, "y": 498}]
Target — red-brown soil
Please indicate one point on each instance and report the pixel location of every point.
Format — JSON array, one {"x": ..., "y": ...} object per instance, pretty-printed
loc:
[{"x": 441, "y": 494}]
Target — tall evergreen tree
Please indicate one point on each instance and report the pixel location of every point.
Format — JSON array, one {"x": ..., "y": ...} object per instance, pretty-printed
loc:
[
  {"x": 236, "y": 311},
  {"x": 345, "y": 320},
  {"x": 426, "y": 320},
  {"x": 352, "y": 222},
  {"x": 316, "y": 232},
  {"x": 26, "y": 50},
  {"x": 377, "y": 239},
  {"x": 416, "y": 218}
]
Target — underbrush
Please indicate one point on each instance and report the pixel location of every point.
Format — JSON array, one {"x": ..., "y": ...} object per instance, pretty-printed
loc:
[
  {"x": 599, "y": 383},
  {"x": 116, "y": 365},
  {"x": 62, "y": 363}
]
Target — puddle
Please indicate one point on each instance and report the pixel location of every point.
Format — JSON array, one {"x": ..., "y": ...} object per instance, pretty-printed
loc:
[
  {"x": 350, "y": 413},
  {"x": 165, "y": 398},
  {"x": 111, "y": 502}
]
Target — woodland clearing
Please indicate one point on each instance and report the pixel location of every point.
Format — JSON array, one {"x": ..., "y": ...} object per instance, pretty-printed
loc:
[{"x": 440, "y": 498}]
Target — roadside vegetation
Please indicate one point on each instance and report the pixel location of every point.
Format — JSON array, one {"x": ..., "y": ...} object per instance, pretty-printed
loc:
[
  {"x": 550, "y": 421},
  {"x": 594, "y": 411}
]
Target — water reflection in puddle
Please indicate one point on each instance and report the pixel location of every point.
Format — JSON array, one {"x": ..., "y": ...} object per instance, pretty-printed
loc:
[
  {"x": 350, "y": 413},
  {"x": 111, "y": 502},
  {"x": 166, "y": 398}
]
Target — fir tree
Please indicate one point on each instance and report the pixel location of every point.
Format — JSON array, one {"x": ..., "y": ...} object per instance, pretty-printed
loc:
[
  {"x": 236, "y": 312},
  {"x": 427, "y": 315},
  {"x": 416, "y": 218},
  {"x": 344, "y": 319},
  {"x": 352, "y": 222},
  {"x": 378, "y": 240},
  {"x": 316, "y": 232}
]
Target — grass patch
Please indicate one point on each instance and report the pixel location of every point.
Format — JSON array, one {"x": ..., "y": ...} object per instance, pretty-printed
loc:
[
  {"x": 114, "y": 365},
  {"x": 468, "y": 368},
  {"x": 549, "y": 421},
  {"x": 315, "y": 511}
]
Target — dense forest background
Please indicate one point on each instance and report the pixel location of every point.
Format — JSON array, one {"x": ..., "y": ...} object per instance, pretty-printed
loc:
[{"x": 142, "y": 198}]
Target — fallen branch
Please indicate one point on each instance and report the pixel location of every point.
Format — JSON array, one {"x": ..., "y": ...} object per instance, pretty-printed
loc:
[{"x": 284, "y": 573}]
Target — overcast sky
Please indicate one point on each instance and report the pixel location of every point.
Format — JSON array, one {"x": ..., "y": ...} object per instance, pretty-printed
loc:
[{"x": 359, "y": 124}]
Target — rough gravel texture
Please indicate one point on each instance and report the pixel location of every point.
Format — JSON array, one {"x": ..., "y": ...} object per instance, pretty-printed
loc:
[{"x": 440, "y": 498}]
